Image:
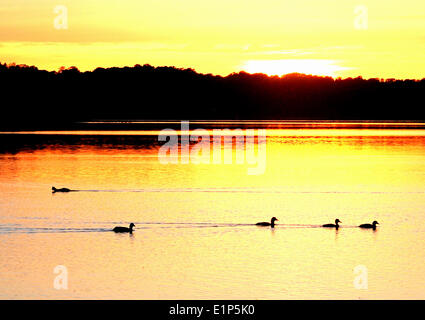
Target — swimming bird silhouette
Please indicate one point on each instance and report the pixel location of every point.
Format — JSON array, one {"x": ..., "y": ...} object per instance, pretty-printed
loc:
[
  {"x": 60, "y": 190},
  {"x": 369, "y": 226},
  {"x": 124, "y": 229},
  {"x": 266, "y": 224},
  {"x": 331, "y": 225}
]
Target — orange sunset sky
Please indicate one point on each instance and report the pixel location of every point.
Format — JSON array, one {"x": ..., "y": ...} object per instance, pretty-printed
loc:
[{"x": 371, "y": 38}]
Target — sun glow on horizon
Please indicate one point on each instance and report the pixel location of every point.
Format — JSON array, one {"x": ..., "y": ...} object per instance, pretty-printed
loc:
[
  {"x": 220, "y": 37},
  {"x": 318, "y": 67}
]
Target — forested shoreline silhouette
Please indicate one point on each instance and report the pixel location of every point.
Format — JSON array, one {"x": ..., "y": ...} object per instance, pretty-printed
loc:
[{"x": 40, "y": 99}]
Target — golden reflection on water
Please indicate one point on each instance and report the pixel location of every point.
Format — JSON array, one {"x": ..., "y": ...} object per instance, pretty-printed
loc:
[
  {"x": 300, "y": 132},
  {"x": 195, "y": 236}
]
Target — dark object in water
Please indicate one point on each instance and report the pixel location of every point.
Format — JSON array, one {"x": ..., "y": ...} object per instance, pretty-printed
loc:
[
  {"x": 369, "y": 226},
  {"x": 60, "y": 190},
  {"x": 331, "y": 225},
  {"x": 124, "y": 229},
  {"x": 266, "y": 224}
]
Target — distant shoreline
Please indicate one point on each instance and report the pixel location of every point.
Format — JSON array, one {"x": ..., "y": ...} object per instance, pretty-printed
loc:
[
  {"x": 43, "y": 100},
  {"x": 143, "y": 125}
]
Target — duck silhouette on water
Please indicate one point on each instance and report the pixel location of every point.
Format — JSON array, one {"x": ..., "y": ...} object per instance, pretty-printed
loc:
[
  {"x": 369, "y": 226},
  {"x": 267, "y": 224},
  {"x": 54, "y": 190},
  {"x": 331, "y": 225},
  {"x": 124, "y": 229}
]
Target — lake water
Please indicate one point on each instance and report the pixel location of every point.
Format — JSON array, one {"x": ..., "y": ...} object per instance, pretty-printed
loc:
[{"x": 195, "y": 234}]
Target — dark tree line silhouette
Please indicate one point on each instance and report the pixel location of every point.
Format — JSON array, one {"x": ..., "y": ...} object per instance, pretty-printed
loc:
[{"x": 34, "y": 99}]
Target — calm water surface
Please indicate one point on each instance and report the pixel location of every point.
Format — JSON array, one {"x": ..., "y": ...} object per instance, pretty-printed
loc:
[{"x": 195, "y": 236}]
